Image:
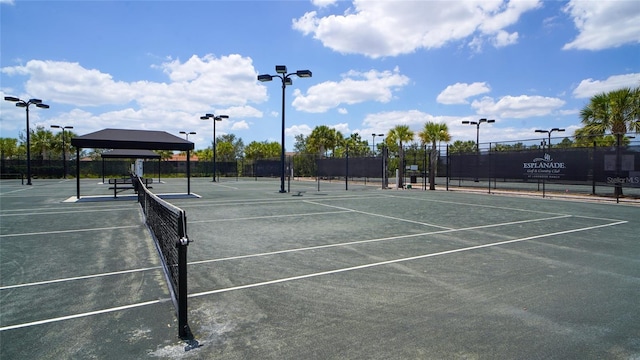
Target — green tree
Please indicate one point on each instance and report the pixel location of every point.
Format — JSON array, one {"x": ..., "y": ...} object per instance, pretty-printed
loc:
[
  {"x": 233, "y": 150},
  {"x": 565, "y": 143},
  {"x": 617, "y": 111},
  {"x": 225, "y": 151},
  {"x": 8, "y": 148},
  {"x": 300, "y": 146},
  {"x": 164, "y": 154},
  {"x": 400, "y": 134},
  {"x": 58, "y": 143},
  {"x": 323, "y": 138},
  {"x": 41, "y": 142},
  {"x": 432, "y": 133},
  {"x": 462, "y": 147},
  {"x": 357, "y": 146},
  {"x": 262, "y": 150}
]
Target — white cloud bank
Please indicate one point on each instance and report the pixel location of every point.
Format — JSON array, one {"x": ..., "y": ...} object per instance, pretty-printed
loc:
[
  {"x": 589, "y": 87},
  {"x": 604, "y": 24},
  {"x": 390, "y": 28},
  {"x": 355, "y": 87}
]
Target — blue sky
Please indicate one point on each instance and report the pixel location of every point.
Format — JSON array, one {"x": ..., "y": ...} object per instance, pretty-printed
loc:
[{"x": 160, "y": 65}]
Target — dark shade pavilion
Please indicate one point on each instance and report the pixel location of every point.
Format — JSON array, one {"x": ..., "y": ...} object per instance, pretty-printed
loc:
[{"x": 122, "y": 139}]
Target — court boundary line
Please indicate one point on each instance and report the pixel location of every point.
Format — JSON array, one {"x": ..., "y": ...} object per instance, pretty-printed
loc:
[
  {"x": 498, "y": 207},
  {"x": 306, "y": 276}
]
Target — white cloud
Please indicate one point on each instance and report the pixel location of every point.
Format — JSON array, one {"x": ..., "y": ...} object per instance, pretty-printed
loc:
[
  {"x": 503, "y": 39},
  {"x": 589, "y": 87},
  {"x": 323, "y": 3},
  {"x": 517, "y": 107},
  {"x": 459, "y": 92},
  {"x": 604, "y": 24},
  {"x": 297, "y": 130},
  {"x": 390, "y": 28},
  {"x": 343, "y": 111},
  {"x": 225, "y": 85},
  {"x": 355, "y": 87},
  {"x": 195, "y": 84},
  {"x": 239, "y": 125},
  {"x": 384, "y": 121},
  {"x": 342, "y": 127}
]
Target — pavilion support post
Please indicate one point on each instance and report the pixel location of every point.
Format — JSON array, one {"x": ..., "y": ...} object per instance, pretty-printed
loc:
[{"x": 77, "y": 173}]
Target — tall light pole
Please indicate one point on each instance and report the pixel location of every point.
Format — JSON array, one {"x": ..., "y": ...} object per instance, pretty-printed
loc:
[
  {"x": 25, "y": 105},
  {"x": 549, "y": 132},
  {"x": 186, "y": 134},
  {"x": 477, "y": 124},
  {"x": 373, "y": 146},
  {"x": 286, "y": 80},
  {"x": 214, "y": 118},
  {"x": 64, "y": 149}
]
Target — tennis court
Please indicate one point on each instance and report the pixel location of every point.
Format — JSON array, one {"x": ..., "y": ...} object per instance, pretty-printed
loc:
[{"x": 330, "y": 274}]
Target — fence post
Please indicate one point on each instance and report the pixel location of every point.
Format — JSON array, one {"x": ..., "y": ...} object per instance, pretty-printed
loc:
[{"x": 346, "y": 178}]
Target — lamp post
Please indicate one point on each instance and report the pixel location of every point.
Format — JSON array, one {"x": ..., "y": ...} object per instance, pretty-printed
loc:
[
  {"x": 549, "y": 132},
  {"x": 25, "y": 105},
  {"x": 186, "y": 134},
  {"x": 64, "y": 149},
  {"x": 373, "y": 147},
  {"x": 477, "y": 124},
  {"x": 214, "y": 118},
  {"x": 281, "y": 71}
]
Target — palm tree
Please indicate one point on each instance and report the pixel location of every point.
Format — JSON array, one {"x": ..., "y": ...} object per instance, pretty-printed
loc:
[
  {"x": 432, "y": 133},
  {"x": 462, "y": 147},
  {"x": 42, "y": 141},
  {"x": 617, "y": 111},
  {"x": 400, "y": 134},
  {"x": 321, "y": 139}
]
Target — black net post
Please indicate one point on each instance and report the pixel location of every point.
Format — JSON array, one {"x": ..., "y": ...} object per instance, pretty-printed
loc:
[{"x": 183, "y": 326}]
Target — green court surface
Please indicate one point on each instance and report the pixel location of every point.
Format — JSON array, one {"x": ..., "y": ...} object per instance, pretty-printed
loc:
[{"x": 319, "y": 274}]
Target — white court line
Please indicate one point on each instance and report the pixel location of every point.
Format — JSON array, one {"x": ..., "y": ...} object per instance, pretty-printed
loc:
[
  {"x": 326, "y": 246},
  {"x": 9, "y": 192},
  {"x": 271, "y": 216},
  {"x": 69, "y": 231},
  {"x": 81, "y": 315},
  {"x": 226, "y": 186},
  {"x": 68, "y": 212},
  {"x": 395, "y": 261},
  {"x": 300, "y": 277},
  {"x": 496, "y": 207},
  {"x": 378, "y": 215},
  {"x": 83, "y": 277},
  {"x": 209, "y": 203}
]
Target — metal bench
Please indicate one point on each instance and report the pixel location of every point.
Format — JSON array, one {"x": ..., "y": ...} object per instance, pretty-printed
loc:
[{"x": 124, "y": 183}]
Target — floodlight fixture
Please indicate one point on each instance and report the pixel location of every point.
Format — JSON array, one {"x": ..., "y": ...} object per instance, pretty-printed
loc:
[{"x": 25, "y": 104}]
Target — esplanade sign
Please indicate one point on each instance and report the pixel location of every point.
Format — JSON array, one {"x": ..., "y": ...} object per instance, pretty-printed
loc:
[{"x": 544, "y": 168}]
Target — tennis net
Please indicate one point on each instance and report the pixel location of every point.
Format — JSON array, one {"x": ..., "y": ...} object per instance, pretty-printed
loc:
[{"x": 167, "y": 225}]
